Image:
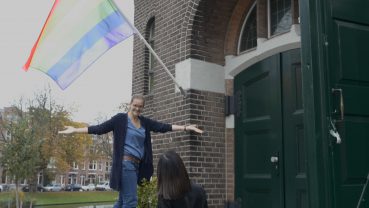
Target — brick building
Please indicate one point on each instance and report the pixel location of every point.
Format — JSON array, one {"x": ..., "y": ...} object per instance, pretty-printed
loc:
[
  {"x": 95, "y": 169},
  {"x": 205, "y": 44},
  {"x": 266, "y": 94}
]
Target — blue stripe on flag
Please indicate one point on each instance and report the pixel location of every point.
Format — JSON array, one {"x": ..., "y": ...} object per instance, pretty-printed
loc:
[
  {"x": 69, "y": 74},
  {"x": 103, "y": 28}
]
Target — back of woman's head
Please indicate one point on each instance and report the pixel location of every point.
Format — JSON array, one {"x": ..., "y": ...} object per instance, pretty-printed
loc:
[{"x": 173, "y": 180}]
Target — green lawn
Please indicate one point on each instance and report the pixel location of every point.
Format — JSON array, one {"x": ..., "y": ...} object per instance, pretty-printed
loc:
[{"x": 49, "y": 198}]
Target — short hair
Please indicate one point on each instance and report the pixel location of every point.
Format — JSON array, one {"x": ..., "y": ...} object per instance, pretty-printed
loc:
[
  {"x": 139, "y": 97},
  {"x": 173, "y": 180}
]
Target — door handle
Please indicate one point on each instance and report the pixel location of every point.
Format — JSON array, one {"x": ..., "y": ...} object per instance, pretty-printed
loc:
[
  {"x": 341, "y": 105},
  {"x": 334, "y": 133},
  {"x": 274, "y": 159},
  {"x": 275, "y": 163}
]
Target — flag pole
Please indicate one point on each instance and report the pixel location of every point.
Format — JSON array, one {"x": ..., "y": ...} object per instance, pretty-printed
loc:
[{"x": 152, "y": 51}]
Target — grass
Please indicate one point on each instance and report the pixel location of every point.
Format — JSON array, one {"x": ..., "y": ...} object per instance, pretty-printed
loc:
[{"x": 54, "y": 198}]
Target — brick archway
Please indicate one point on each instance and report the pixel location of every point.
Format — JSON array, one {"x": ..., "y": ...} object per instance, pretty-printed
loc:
[
  {"x": 208, "y": 25},
  {"x": 235, "y": 24}
]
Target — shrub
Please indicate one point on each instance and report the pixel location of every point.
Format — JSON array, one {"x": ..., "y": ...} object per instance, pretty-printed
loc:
[{"x": 147, "y": 194}]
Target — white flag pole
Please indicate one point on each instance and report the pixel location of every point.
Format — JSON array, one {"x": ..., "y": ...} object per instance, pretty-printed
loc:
[{"x": 152, "y": 51}]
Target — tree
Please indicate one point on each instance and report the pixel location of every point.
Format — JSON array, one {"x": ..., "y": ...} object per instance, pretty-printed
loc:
[
  {"x": 71, "y": 148},
  {"x": 124, "y": 107},
  {"x": 57, "y": 151},
  {"x": 20, "y": 155},
  {"x": 39, "y": 121}
]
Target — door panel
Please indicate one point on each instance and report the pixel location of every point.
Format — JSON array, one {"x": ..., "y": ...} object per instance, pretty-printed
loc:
[
  {"x": 353, "y": 46},
  {"x": 258, "y": 135},
  {"x": 353, "y": 10},
  {"x": 293, "y": 131},
  {"x": 348, "y": 40}
]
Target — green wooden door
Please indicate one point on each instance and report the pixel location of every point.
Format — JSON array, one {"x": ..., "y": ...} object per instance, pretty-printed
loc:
[
  {"x": 259, "y": 182},
  {"x": 347, "y": 23},
  {"x": 293, "y": 131},
  {"x": 270, "y": 161}
]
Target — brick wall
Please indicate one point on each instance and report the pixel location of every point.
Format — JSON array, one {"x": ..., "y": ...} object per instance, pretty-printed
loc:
[
  {"x": 203, "y": 155},
  {"x": 229, "y": 151},
  {"x": 186, "y": 29},
  {"x": 229, "y": 147}
]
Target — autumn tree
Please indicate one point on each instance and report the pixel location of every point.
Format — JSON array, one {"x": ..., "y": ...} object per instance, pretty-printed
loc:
[
  {"x": 57, "y": 151},
  {"x": 71, "y": 148},
  {"x": 52, "y": 153}
]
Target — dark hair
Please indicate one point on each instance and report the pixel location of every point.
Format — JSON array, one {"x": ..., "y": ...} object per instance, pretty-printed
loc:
[
  {"x": 173, "y": 180},
  {"x": 139, "y": 97}
]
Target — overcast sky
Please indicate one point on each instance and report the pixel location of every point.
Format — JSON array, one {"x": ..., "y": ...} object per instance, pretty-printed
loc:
[{"x": 98, "y": 91}]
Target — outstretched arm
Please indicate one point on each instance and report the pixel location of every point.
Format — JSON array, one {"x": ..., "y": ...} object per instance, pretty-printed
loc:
[
  {"x": 71, "y": 129},
  {"x": 191, "y": 127}
]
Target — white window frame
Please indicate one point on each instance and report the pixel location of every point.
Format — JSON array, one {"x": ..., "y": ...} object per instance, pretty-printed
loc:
[
  {"x": 93, "y": 163},
  {"x": 75, "y": 166},
  {"x": 243, "y": 27}
]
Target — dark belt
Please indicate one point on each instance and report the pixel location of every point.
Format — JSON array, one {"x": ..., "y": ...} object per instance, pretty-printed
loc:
[{"x": 131, "y": 158}]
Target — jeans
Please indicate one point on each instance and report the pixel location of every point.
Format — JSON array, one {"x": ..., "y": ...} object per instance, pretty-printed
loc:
[{"x": 128, "y": 194}]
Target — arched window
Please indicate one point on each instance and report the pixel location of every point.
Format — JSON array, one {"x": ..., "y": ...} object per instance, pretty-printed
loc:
[
  {"x": 280, "y": 16},
  {"x": 248, "y": 38},
  {"x": 149, "y": 58}
]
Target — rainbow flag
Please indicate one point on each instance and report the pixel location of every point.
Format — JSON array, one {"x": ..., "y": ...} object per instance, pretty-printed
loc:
[{"x": 74, "y": 36}]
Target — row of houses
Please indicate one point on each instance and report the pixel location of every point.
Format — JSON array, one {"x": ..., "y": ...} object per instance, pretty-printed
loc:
[{"x": 89, "y": 172}]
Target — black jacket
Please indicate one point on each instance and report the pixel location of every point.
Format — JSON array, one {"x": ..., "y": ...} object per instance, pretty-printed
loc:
[
  {"x": 196, "y": 198},
  {"x": 118, "y": 124}
]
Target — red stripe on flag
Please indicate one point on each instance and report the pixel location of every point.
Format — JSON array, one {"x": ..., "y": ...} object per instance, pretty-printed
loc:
[{"x": 27, "y": 64}]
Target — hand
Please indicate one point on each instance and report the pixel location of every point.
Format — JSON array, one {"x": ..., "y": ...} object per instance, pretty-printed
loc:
[
  {"x": 68, "y": 130},
  {"x": 193, "y": 127}
]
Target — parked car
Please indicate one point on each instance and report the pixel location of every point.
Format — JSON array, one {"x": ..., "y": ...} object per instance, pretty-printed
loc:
[
  {"x": 89, "y": 187},
  {"x": 4, "y": 187},
  {"x": 53, "y": 187},
  {"x": 73, "y": 187},
  {"x": 40, "y": 188},
  {"x": 103, "y": 186},
  {"x": 11, "y": 187}
]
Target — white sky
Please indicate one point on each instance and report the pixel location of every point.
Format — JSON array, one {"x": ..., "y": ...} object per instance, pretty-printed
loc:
[{"x": 98, "y": 91}]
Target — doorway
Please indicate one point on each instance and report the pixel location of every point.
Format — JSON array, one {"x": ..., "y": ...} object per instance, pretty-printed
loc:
[{"x": 270, "y": 161}]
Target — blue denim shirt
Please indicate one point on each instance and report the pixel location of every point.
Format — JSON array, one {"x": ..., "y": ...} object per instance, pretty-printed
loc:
[{"x": 135, "y": 139}]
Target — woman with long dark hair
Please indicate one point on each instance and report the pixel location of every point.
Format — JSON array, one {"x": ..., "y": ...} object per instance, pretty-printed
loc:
[{"x": 174, "y": 187}]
